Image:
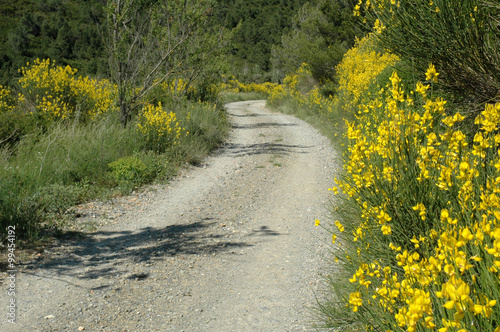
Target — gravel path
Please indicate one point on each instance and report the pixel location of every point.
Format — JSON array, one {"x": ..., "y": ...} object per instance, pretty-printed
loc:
[{"x": 227, "y": 246}]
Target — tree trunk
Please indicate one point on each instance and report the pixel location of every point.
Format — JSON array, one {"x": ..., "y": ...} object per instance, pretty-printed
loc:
[{"x": 124, "y": 114}]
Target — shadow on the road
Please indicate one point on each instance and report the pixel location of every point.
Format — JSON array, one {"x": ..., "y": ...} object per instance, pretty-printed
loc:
[
  {"x": 240, "y": 150},
  {"x": 262, "y": 125},
  {"x": 250, "y": 115},
  {"x": 265, "y": 231},
  {"x": 142, "y": 246}
]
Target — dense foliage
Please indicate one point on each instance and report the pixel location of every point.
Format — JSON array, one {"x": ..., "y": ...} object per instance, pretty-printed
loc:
[
  {"x": 70, "y": 32},
  {"x": 61, "y": 142},
  {"x": 65, "y": 31},
  {"x": 419, "y": 32},
  {"x": 424, "y": 254},
  {"x": 260, "y": 25},
  {"x": 322, "y": 32}
]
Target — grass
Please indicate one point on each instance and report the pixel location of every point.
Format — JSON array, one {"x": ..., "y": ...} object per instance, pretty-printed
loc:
[
  {"x": 274, "y": 160},
  {"x": 329, "y": 125}
]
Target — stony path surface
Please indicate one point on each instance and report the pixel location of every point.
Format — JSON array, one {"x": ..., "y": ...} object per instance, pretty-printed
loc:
[{"x": 227, "y": 246}]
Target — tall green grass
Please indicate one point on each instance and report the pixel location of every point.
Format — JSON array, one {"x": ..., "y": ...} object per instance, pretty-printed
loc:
[{"x": 44, "y": 167}]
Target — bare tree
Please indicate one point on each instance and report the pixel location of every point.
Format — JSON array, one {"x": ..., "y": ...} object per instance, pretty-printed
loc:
[{"x": 150, "y": 40}]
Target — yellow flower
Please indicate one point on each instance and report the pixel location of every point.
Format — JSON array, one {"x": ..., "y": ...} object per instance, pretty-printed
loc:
[
  {"x": 355, "y": 301},
  {"x": 484, "y": 309},
  {"x": 422, "y": 210},
  {"x": 386, "y": 229},
  {"x": 339, "y": 226},
  {"x": 431, "y": 74}
]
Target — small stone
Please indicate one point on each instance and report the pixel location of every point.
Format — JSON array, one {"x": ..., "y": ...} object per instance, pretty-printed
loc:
[
  {"x": 81, "y": 328},
  {"x": 50, "y": 317}
]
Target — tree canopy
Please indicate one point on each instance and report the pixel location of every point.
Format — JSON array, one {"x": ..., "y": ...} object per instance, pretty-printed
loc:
[
  {"x": 261, "y": 24},
  {"x": 64, "y": 30},
  {"x": 72, "y": 33},
  {"x": 321, "y": 33}
]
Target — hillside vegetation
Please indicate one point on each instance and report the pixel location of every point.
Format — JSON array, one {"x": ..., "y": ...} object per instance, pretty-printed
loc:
[
  {"x": 68, "y": 32},
  {"x": 71, "y": 33},
  {"x": 260, "y": 24},
  {"x": 99, "y": 97}
]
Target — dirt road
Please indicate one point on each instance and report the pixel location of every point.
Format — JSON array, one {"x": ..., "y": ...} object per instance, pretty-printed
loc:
[{"x": 227, "y": 246}]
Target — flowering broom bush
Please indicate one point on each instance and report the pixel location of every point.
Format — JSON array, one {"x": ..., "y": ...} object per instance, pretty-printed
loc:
[
  {"x": 55, "y": 93},
  {"x": 233, "y": 85},
  {"x": 425, "y": 255},
  {"x": 359, "y": 69},
  {"x": 7, "y": 100},
  {"x": 159, "y": 128},
  {"x": 356, "y": 73},
  {"x": 299, "y": 88}
]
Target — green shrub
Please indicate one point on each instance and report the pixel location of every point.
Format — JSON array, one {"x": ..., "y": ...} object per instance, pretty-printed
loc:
[
  {"x": 55, "y": 199},
  {"x": 129, "y": 171},
  {"x": 14, "y": 125},
  {"x": 461, "y": 38}
]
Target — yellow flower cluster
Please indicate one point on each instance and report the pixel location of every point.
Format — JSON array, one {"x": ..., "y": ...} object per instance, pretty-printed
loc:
[
  {"x": 429, "y": 196},
  {"x": 359, "y": 69},
  {"x": 177, "y": 87},
  {"x": 297, "y": 87},
  {"x": 160, "y": 128},
  {"x": 233, "y": 85},
  {"x": 275, "y": 93},
  {"x": 57, "y": 93},
  {"x": 7, "y": 102},
  {"x": 294, "y": 81}
]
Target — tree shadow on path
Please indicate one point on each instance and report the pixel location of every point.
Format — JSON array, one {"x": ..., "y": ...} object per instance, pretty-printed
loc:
[
  {"x": 104, "y": 254},
  {"x": 240, "y": 150}
]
